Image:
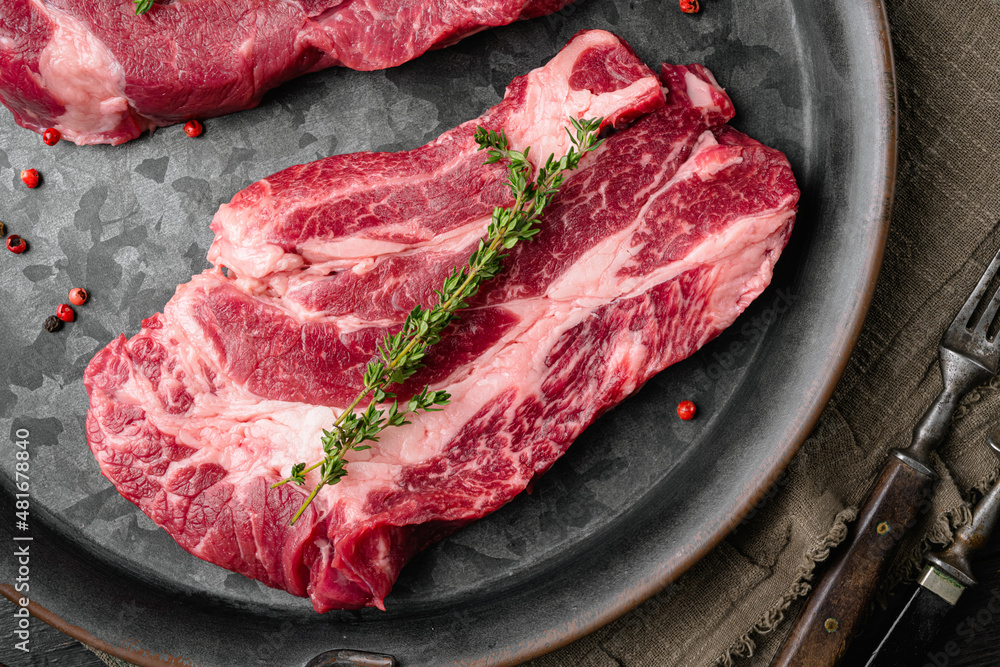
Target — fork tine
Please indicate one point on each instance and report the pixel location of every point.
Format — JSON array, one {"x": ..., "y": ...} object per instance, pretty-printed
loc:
[
  {"x": 989, "y": 314},
  {"x": 964, "y": 316}
]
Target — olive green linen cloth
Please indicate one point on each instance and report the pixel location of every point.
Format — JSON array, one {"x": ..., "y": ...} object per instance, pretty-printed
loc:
[{"x": 734, "y": 606}]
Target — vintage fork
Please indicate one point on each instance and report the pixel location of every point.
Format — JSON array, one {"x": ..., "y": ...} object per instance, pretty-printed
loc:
[{"x": 833, "y": 615}]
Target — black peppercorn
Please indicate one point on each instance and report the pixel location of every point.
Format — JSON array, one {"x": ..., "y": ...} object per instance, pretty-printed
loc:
[{"x": 52, "y": 323}]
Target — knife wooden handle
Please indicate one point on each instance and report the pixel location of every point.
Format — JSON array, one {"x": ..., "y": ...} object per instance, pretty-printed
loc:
[{"x": 837, "y": 606}]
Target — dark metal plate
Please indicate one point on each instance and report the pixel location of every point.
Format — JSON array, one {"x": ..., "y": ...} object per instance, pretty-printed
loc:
[{"x": 637, "y": 499}]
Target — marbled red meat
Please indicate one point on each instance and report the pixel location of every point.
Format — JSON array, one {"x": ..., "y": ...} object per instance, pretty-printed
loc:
[
  {"x": 654, "y": 246},
  {"x": 99, "y": 74}
]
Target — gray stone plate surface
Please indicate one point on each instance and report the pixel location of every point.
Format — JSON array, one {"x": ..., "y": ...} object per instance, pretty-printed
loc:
[{"x": 638, "y": 498}]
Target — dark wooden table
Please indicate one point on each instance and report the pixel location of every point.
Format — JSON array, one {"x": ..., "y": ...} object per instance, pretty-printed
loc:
[{"x": 970, "y": 637}]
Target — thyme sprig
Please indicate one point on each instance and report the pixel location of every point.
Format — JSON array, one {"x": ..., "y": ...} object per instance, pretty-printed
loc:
[
  {"x": 400, "y": 355},
  {"x": 142, "y": 6}
]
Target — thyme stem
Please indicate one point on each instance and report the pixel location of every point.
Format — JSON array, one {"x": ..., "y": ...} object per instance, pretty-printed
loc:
[{"x": 400, "y": 355}]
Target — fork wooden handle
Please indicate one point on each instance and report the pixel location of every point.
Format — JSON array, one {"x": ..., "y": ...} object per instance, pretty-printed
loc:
[{"x": 836, "y": 608}]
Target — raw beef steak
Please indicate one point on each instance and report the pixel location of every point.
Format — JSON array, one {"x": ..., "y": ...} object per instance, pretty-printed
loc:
[
  {"x": 101, "y": 75},
  {"x": 654, "y": 246}
]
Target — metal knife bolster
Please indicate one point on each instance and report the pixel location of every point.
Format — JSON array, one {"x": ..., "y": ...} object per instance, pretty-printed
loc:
[
  {"x": 919, "y": 466},
  {"x": 940, "y": 583}
]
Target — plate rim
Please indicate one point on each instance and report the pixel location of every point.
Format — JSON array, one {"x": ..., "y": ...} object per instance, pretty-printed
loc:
[{"x": 633, "y": 597}]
